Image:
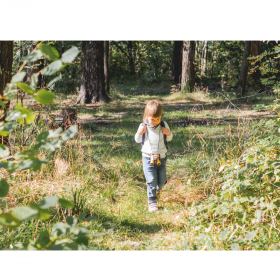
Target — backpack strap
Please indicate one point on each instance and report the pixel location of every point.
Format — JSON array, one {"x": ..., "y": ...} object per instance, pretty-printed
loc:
[
  {"x": 164, "y": 136},
  {"x": 143, "y": 136}
]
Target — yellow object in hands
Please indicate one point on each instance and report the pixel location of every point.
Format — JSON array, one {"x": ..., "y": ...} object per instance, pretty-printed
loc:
[{"x": 155, "y": 158}]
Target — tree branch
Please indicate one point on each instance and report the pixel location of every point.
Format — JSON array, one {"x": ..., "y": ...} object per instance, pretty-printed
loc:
[{"x": 121, "y": 49}]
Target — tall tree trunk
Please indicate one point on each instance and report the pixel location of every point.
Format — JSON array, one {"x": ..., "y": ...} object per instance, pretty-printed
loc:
[
  {"x": 106, "y": 65},
  {"x": 93, "y": 81},
  {"x": 177, "y": 61},
  {"x": 204, "y": 58},
  {"x": 255, "y": 46},
  {"x": 197, "y": 54},
  {"x": 6, "y": 61},
  {"x": 212, "y": 59},
  {"x": 244, "y": 69},
  {"x": 130, "y": 58},
  {"x": 188, "y": 73}
]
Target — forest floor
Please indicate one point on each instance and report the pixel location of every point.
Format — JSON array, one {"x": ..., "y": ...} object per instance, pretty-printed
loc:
[{"x": 102, "y": 166}]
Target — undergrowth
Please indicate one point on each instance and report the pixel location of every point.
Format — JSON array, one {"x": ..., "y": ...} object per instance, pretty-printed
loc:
[{"x": 222, "y": 190}]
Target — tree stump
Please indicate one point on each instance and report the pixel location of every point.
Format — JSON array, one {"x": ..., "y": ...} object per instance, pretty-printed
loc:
[{"x": 69, "y": 118}]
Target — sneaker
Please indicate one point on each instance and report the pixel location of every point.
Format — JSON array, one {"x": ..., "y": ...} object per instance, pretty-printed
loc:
[{"x": 153, "y": 206}]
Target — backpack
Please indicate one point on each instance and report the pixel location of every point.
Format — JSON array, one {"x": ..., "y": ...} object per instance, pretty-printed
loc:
[{"x": 164, "y": 136}]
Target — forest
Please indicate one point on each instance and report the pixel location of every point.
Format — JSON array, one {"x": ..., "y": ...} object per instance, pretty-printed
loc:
[{"x": 71, "y": 172}]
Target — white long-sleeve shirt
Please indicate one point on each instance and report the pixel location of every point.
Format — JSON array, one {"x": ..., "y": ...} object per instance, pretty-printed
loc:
[{"x": 155, "y": 143}]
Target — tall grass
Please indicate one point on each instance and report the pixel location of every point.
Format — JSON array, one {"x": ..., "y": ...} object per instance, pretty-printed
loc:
[{"x": 100, "y": 170}]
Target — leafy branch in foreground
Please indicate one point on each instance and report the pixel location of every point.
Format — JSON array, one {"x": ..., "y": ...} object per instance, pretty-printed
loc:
[{"x": 63, "y": 235}]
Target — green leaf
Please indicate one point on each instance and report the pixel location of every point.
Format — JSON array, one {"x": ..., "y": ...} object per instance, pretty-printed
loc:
[
  {"x": 2, "y": 104},
  {"x": 37, "y": 54},
  {"x": 9, "y": 166},
  {"x": 88, "y": 219},
  {"x": 31, "y": 164},
  {"x": 185, "y": 244},
  {"x": 44, "y": 96},
  {"x": 69, "y": 133},
  {"x": 10, "y": 91},
  {"x": 82, "y": 215},
  {"x": 19, "y": 113},
  {"x": 4, "y": 188},
  {"x": 4, "y": 151},
  {"x": 98, "y": 234},
  {"x": 33, "y": 81},
  {"x": 9, "y": 221},
  {"x": 60, "y": 229},
  {"x": 65, "y": 203},
  {"x": 82, "y": 240},
  {"x": 234, "y": 246},
  {"x": 54, "y": 133},
  {"x": 50, "y": 52},
  {"x": 48, "y": 202},
  {"x": 53, "y": 68},
  {"x": 18, "y": 77},
  {"x": 223, "y": 235},
  {"x": 72, "y": 221},
  {"x": 4, "y": 129},
  {"x": 24, "y": 212},
  {"x": 70, "y": 55},
  {"x": 53, "y": 81},
  {"x": 24, "y": 87},
  {"x": 226, "y": 195},
  {"x": 258, "y": 215},
  {"x": 43, "y": 214},
  {"x": 251, "y": 234},
  {"x": 209, "y": 244},
  {"x": 44, "y": 239}
]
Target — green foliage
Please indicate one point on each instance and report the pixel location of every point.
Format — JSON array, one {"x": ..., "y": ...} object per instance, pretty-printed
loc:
[
  {"x": 50, "y": 52},
  {"x": 62, "y": 235},
  {"x": 44, "y": 97},
  {"x": 268, "y": 65}
]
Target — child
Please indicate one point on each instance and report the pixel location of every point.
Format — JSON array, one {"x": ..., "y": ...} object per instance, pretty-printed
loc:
[{"x": 153, "y": 134}]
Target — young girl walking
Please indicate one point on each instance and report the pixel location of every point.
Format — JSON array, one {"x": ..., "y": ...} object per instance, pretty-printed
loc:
[{"x": 154, "y": 135}]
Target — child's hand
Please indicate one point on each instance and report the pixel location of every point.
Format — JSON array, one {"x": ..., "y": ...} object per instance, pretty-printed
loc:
[
  {"x": 166, "y": 131},
  {"x": 142, "y": 130}
]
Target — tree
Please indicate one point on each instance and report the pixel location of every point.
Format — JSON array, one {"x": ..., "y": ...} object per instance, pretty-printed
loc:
[
  {"x": 177, "y": 61},
  {"x": 204, "y": 58},
  {"x": 106, "y": 64},
  {"x": 188, "y": 73},
  {"x": 92, "y": 88},
  {"x": 6, "y": 61},
  {"x": 212, "y": 59},
  {"x": 130, "y": 58},
  {"x": 255, "y": 46},
  {"x": 244, "y": 69}
]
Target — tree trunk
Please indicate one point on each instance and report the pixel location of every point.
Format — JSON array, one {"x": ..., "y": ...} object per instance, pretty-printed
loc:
[
  {"x": 6, "y": 61},
  {"x": 177, "y": 61},
  {"x": 255, "y": 46},
  {"x": 106, "y": 65},
  {"x": 69, "y": 118},
  {"x": 188, "y": 73},
  {"x": 204, "y": 59},
  {"x": 130, "y": 58},
  {"x": 93, "y": 81},
  {"x": 244, "y": 69},
  {"x": 212, "y": 59},
  {"x": 197, "y": 54}
]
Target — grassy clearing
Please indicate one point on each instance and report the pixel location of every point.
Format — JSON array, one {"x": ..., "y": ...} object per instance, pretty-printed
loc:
[{"x": 101, "y": 171}]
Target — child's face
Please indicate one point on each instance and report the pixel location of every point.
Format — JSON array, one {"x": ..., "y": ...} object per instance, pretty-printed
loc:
[{"x": 154, "y": 121}]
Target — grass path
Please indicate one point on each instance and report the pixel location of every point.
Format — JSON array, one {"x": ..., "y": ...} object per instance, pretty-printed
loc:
[{"x": 103, "y": 165}]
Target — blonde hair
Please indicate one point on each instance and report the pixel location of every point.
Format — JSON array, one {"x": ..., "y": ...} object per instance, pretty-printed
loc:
[{"x": 153, "y": 109}]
